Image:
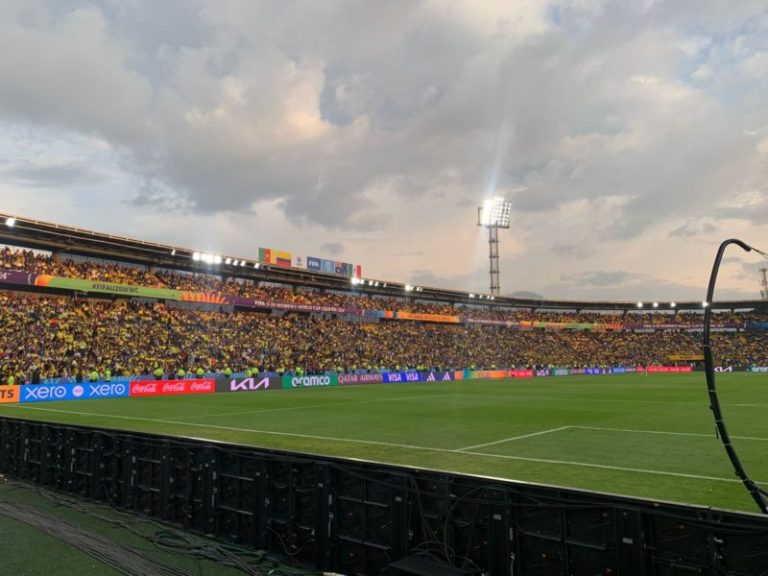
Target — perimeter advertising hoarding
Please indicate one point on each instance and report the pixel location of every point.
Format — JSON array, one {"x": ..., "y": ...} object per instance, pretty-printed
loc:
[
  {"x": 658, "y": 369},
  {"x": 254, "y": 384},
  {"x": 346, "y": 379},
  {"x": 84, "y": 391},
  {"x": 310, "y": 381},
  {"x": 757, "y": 369},
  {"x": 170, "y": 387},
  {"x": 399, "y": 377},
  {"x": 9, "y": 394}
]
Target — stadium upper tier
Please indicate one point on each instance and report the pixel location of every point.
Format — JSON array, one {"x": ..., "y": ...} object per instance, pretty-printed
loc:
[{"x": 64, "y": 242}]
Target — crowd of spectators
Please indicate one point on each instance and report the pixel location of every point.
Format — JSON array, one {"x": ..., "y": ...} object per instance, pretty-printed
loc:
[
  {"x": 65, "y": 336},
  {"x": 41, "y": 263}
]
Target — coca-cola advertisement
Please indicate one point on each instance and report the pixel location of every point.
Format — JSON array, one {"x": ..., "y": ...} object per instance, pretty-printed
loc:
[{"x": 170, "y": 387}]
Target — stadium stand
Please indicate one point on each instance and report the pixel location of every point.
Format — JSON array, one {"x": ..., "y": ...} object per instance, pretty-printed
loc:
[{"x": 57, "y": 336}]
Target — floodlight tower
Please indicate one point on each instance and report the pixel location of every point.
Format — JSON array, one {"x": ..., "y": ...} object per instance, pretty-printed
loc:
[{"x": 494, "y": 214}]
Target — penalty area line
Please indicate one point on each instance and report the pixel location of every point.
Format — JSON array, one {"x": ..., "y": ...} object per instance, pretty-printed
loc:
[
  {"x": 513, "y": 439},
  {"x": 386, "y": 444}
]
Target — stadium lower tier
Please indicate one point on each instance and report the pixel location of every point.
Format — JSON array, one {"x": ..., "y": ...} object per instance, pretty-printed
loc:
[{"x": 49, "y": 337}]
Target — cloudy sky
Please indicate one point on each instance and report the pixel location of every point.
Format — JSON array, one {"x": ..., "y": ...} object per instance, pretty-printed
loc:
[{"x": 631, "y": 136}]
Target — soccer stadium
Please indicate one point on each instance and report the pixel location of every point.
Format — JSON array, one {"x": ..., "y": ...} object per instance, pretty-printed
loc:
[
  {"x": 383, "y": 288},
  {"x": 362, "y": 425}
]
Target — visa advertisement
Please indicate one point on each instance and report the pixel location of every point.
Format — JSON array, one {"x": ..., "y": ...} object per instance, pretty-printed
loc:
[{"x": 404, "y": 377}]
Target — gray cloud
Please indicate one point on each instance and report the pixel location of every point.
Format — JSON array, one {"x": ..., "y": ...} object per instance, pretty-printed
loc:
[
  {"x": 694, "y": 228},
  {"x": 45, "y": 175},
  {"x": 332, "y": 248}
]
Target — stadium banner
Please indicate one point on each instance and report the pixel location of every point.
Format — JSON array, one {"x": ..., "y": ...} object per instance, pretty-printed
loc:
[
  {"x": 485, "y": 374},
  {"x": 507, "y": 323},
  {"x": 169, "y": 387},
  {"x": 443, "y": 318},
  {"x": 16, "y": 277},
  {"x": 559, "y": 371},
  {"x": 520, "y": 373},
  {"x": 334, "y": 267},
  {"x": 239, "y": 301},
  {"x": 253, "y": 384},
  {"x": 700, "y": 368},
  {"x": 275, "y": 257},
  {"x": 310, "y": 381},
  {"x": 662, "y": 369},
  {"x": 441, "y": 376},
  {"x": 374, "y": 378},
  {"x": 48, "y": 281},
  {"x": 400, "y": 377},
  {"x": 314, "y": 264},
  {"x": 756, "y": 326},
  {"x": 9, "y": 394},
  {"x": 762, "y": 369},
  {"x": 51, "y": 392},
  {"x": 542, "y": 373}
]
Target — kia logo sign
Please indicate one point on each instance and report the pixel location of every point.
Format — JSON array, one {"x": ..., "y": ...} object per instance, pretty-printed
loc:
[
  {"x": 724, "y": 369},
  {"x": 249, "y": 384}
]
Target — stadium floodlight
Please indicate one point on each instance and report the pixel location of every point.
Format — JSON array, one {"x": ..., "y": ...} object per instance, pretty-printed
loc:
[
  {"x": 495, "y": 213},
  {"x": 408, "y": 288},
  {"x": 217, "y": 259},
  {"x": 10, "y": 222},
  {"x": 672, "y": 304},
  {"x": 639, "y": 304},
  {"x": 197, "y": 256},
  {"x": 704, "y": 304},
  {"x": 256, "y": 265},
  {"x": 655, "y": 304},
  {"x": 173, "y": 252},
  {"x": 228, "y": 261},
  {"x": 243, "y": 263}
]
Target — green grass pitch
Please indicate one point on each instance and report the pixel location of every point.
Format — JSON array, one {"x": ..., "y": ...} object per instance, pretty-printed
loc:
[{"x": 649, "y": 436}]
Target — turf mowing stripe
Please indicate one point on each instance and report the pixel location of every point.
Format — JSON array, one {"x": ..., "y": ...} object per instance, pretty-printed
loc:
[
  {"x": 669, "y": 433},
  {"x": 513, "y": 438},
  {"x": 390, "y": 445},
  {"x": 306, "y": 406}
]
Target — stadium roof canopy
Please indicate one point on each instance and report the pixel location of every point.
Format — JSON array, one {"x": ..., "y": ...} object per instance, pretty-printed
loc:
[{"x": 57, "y": 238}]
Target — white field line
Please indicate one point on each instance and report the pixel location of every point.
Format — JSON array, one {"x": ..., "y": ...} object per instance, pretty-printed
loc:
[
  {"x": 512, "y": 439},
  {"x": 392, "y": 445},
  {"x": 667, "y": 433}
]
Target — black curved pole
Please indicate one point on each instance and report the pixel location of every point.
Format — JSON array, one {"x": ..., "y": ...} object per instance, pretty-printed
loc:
[{"x": 758, "y": 495}]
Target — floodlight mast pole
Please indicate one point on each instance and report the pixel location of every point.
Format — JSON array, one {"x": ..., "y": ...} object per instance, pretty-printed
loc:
[
  {"x": 494, "y": 214},
  {"x": 493, "y": 256}
]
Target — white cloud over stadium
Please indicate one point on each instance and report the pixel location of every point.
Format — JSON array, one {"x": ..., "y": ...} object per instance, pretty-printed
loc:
[{"x": 631, "y": 137}]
